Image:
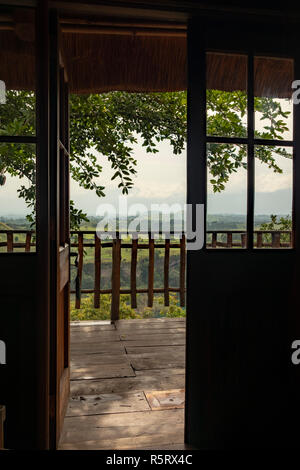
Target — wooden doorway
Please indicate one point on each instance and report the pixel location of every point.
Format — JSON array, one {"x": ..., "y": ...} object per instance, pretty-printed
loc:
[{"x": 60, "y": 238}]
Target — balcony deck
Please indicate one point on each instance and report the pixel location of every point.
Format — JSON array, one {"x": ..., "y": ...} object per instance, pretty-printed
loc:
[{"x": 127, "y": 385}]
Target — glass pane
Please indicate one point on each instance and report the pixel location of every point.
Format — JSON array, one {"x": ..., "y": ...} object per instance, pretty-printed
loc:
[
  {"x": 17, "y": 72},
  {"x": 273, "y": 197},
  {"x": 17, "y": 197},
  {"x": 226, "y": 196},
  {"x": 226, "y": 95},
  {"x": 273, "y": 93}
]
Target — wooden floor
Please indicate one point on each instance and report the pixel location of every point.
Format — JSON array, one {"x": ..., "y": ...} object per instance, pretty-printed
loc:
[{"x": 127, "y": 385}]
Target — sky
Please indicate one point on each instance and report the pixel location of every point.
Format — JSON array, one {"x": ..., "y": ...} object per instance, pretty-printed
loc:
[{"x": 161, "y": 178}]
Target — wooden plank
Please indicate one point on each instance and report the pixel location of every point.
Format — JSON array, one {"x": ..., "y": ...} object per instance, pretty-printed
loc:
[
  {"x": 150, "y": 320},
  {"x": 182, "y": 270},
  {"x": 85, "y": 405},
  {"x": 162, "y": 379},
  {"x": 95, "y": 371},
  {"x": 165, "y": 337},
  {"x": 166, "y": 399},
  {"x": 99, "y": 434},
  {"x": 158, "y": 341},
  {"x": 115, "y": 347},
  {"x": 133, "y": 273},
  {"x": 115, "y": 279},
  {"x": 161, "y": 373},
  {"x": 141, "y": 436},
  {"x": 97, "y": 282},
  {"x": 149, "y": 418},
  {"x": 177, "y": 446},
  {"x": 94, "y": 336},
  {"x": 166, "y": 273},
  {"x": 88, "y": 359},
  {"x": 155, "y": 349},
  {"x": 151, "y": 272},
  {"x": 154, "y": 331},
  {"x": 80, "y": 265},
  {"x": 161, "y": 327},
  {"x": 156, "y": 362},
  {"x": 88, "y": 328}
]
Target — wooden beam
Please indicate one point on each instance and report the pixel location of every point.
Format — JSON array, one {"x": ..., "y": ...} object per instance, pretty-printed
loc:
[{"x": 122, "y": 31}]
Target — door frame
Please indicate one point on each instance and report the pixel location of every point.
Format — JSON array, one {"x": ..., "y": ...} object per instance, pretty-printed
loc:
[{"x": 196, "y": 194}]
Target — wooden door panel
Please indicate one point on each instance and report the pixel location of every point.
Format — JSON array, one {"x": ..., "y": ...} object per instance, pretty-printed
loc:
[
  {"x": 60, "y": 246},
  {"x": 242, "y": 304}
]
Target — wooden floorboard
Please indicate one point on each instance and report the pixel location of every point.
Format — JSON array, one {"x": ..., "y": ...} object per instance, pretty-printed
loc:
[{"x": 127, "y": 385}]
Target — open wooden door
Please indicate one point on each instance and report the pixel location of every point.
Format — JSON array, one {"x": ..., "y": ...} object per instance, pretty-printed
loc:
[
  {"x": 60, "y": 239},
  {"x": 243, "y": 300}
]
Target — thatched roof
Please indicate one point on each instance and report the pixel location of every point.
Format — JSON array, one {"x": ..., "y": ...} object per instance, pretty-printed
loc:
[
  {"x": 98, "y": 63},
  {"x": 136, "y": 61}
]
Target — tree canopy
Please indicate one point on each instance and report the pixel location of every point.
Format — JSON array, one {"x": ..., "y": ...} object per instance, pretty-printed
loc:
[{"x": 110, "y": 123}]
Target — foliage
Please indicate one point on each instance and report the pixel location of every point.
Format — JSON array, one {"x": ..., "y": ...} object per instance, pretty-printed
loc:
[
  {"x": 109, "y": 123},
  {"x": 284, "y": 223},
  {"x": 88, "y": 312},
  {"x": 227, "y": 118}
]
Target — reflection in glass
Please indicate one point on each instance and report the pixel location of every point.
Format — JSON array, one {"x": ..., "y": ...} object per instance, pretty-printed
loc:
[
  {"x": 17, "y": 73},
  {"x": 226, "y": 195},
  {"x": 226, "y": 95},
  {"x": 273, "y": 196},
  {"x": 273, "y": 105},
  {"x": 17, "y": 196}
]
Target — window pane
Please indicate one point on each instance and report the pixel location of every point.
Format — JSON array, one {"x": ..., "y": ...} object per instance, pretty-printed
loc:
[
  {"x": 273, "y": 197},
  {"x": 17, "y": 72},
  {"x": 226, "y": 95},
  {"x": 273, "y": 93},
  {"x": 226, "y": 195},
  {"x": 17, "y": 197}
]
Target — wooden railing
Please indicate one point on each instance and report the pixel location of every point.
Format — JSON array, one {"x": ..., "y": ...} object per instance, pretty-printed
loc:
[
  {"x": 117, "y": 244},
  {"x": 238, "y": 239},
  {"x": 16, "y": 240},
  {"x": 9, "y": 239}
]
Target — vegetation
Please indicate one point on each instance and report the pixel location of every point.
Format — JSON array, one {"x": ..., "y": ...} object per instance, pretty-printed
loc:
[
  {"x": 88, "y": 312},
  {"x": 110, "y": 123},
  {"x": 284, "y": 223}
]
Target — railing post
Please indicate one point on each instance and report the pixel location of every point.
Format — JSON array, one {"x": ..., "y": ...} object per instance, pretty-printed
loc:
[
  {"x": 97, "y": 271},
  {"x": 259, "y": 239},
  {"x": 115, "y": 279},
  {"x": 80, "y": 266},
  {"x": 244, "y": 240},
  {"x": 182, "y": 270},
  {"x": 214, "y": 240},
  {"x": 151, "y": 272},
  {"x": 229, "y": 239},
  {"x": 276, "y": 240},
  {"x": 134, "y": 248},
  {"x": 28, "y": 242},
  {"x": 166, "y": 273},
  {"x": 10, "y": 242},
  {"x": 2, "y": 419}
]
